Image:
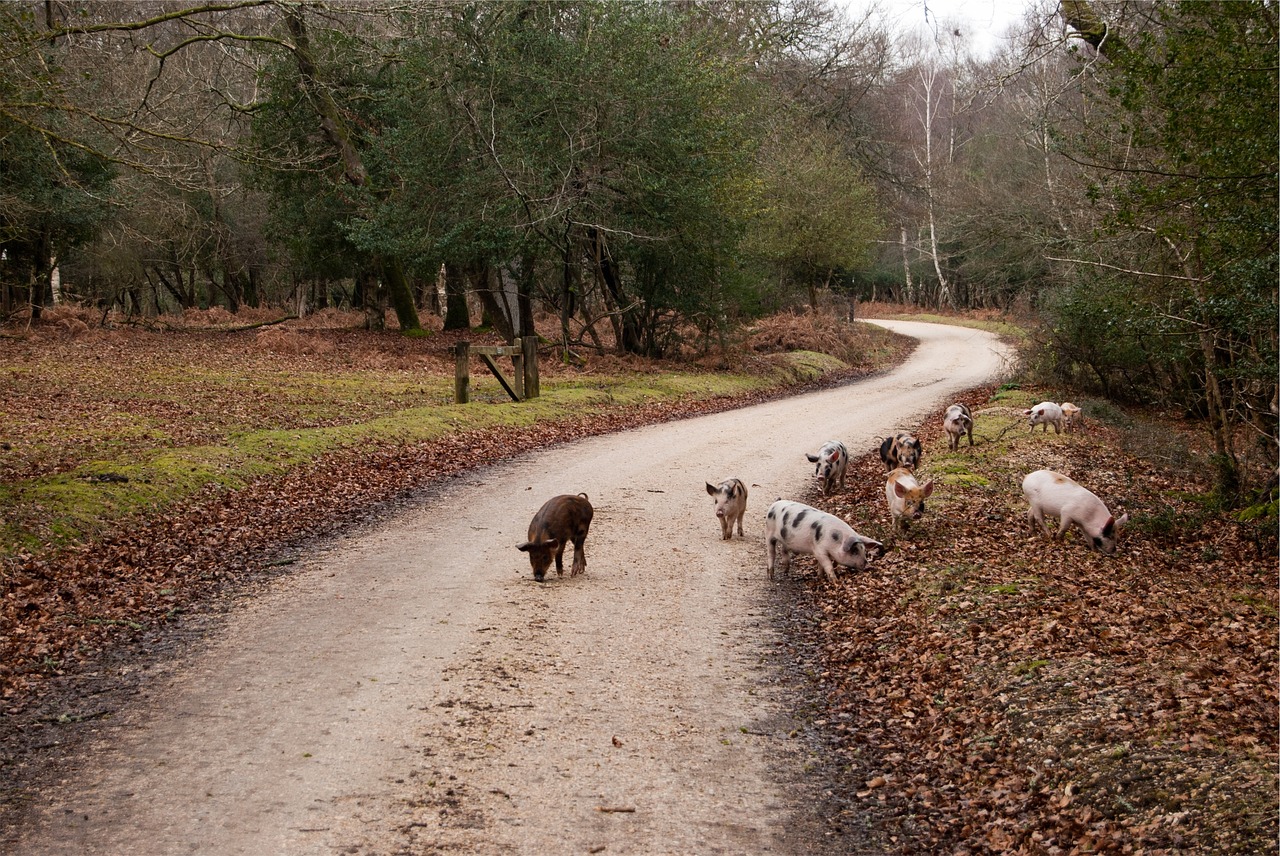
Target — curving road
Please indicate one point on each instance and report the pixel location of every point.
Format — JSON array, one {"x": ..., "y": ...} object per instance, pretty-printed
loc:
[{"x": 412, "y": 690}]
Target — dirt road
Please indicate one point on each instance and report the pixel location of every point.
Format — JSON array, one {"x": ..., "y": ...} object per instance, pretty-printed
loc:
[{"x": 412, "y": 690}]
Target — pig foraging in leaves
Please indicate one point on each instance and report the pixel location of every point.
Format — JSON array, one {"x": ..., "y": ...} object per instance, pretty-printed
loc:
[
  {"x": 906, "y": 497},
  {"x": 731, "y": 504},
  {"x": 561, "y": 520},
  {"x": 831, "y": 462},
  {"x": 901, "y": 450},
  {"x": 792, "y": 527},
  {"x": 1056, "y": 495},
  {"x": 1071, "y": 420},
  {"x": 1045, "y": 413},
  {"x": 957, "y": 422}
]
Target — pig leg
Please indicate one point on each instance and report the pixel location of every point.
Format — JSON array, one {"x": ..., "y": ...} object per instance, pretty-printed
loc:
[
  {"x": 1035, "y": 517},
  {"x": 560, "y": 558},
  {"x": 741, "y": 534},
  {"x": 1063, "y": 525},
  {"x": 726, "y": 527},
  {"x": 773, "y": 556},
  {"x": 828, "y": 567},
  {"x": 579, "y": 556}
]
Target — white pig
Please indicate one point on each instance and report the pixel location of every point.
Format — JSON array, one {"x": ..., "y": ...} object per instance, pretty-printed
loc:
[
  {"x": 957, "y": 422},
  {"x": 731, "y": 503},
  {"x": 792, "y": 527},
  {"x": 906, "y": 497},
  {"x": 1045, "y": 413},
  {"x": 832, "y": 460},
  {"x": 1058, "y": 496}
]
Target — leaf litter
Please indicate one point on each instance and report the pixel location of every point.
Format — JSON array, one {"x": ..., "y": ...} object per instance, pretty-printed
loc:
[
  {"x": 979, "y": 689},
  {"x": 984, "y": 689}
]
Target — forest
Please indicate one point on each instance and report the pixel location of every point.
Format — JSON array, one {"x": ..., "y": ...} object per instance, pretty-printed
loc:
[{"x": 649, "y": 175}]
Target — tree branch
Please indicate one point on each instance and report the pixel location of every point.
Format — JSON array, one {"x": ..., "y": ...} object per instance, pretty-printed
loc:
[{"x": 1126, "y": 270}]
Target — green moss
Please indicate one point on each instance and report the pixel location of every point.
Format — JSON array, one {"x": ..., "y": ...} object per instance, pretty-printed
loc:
[
  {"x": 805, "y": 366},
  {"x": 1029, "y": 667},
  {"x": 139, "y": 472}
]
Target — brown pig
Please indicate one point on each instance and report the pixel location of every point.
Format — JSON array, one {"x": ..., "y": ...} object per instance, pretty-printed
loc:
[
  {"x": 906, "y": 497},
  {"x": 561, "y": 519}
]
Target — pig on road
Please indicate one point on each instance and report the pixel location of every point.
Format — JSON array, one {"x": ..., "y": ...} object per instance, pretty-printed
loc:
[
  {"x": 831, "y": 462},
  {"x": 731, "y": 504},
  {"x": 562, "y": 519}
]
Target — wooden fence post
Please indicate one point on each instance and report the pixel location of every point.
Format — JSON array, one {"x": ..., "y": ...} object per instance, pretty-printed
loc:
[
  {"x": 462, "y": 373},
  {"x": 529, "y": 344},
  {"x": 517, "y": 368}
]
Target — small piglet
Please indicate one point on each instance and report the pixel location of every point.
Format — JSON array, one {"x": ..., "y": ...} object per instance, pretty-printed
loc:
[
  {"x": 1058, "y": 496},
  {"x": 1071, "y": 420},
  {"x": 1045, "y": 413},
  {"x": 560, "y": 520},
  {"x": 906, "y": 497},
  {"x": 731, "y": 503},
  {"x": 831, "y": 462},
  {"x": 792, "y": 527},
  {"x": 957, "y": 422},
  {"x": 901, "y": 450}
]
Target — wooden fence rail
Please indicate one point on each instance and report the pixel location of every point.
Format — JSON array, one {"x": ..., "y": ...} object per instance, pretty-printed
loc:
[{"x": 524, "y": 361}]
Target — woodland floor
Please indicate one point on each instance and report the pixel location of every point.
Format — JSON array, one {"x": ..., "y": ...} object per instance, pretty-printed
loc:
[{"x": 971, "y": 692}]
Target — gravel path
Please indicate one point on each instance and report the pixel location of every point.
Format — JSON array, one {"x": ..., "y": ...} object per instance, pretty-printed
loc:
[{"x": 412, "y": 690}]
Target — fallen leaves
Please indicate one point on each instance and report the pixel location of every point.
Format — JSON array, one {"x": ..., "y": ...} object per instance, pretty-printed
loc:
[{"x": 1010, "y": 693}]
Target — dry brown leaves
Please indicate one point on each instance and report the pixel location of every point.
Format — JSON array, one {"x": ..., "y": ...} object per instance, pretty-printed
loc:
[{"x": 993, "y": 691}]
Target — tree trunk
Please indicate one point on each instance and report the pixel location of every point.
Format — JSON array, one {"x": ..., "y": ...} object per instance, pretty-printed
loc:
[
  {"x": 524, "y": 295},
  {"x": 370, "y": 297},
  {"x": 1082, "y": 18},
  {"x": 335, "y": 129},
  {"x": 400, "y": 293},
  {"x": 484, "y": 280},
  {"x": 625, "y": 329},
  {"x": 908, "y": 285},
  {"x": 457, "y": 316}
]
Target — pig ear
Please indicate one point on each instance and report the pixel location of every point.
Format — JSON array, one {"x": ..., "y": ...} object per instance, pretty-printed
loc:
[
  {"x": 898, "y": 489},
  {"x": 524, "y": 546},
  {"x": 1026, "y": 413},
  {"x": 1110, "y": 528},
  {"x": 813, "y": 459},
  {"x": 710, "y": 489},
  {"x": 872, "y": 544},
  {"x": 928, "y": 488},
  {"x": 1122, "y": 522}
]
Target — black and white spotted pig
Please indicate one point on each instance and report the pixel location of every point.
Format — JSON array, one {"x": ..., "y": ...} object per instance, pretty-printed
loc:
[
  {"x": 831, "y": 462},
  {"x": 901, "y": 450},
  {"x": 562, "y": 519},
  {"x": 731, "y": 504},
  {"x": 792, "y": 527}
]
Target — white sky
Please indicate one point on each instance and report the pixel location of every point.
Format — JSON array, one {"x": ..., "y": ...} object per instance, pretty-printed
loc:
[{"x": 983, "y": 21}]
